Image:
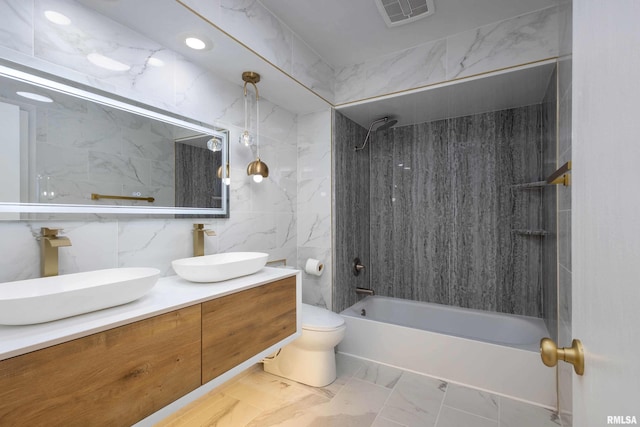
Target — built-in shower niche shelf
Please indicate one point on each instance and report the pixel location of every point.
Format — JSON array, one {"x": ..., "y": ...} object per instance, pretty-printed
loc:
[
  {"x": 539, "y": 233},
  {"x": 529, "y": 185}
]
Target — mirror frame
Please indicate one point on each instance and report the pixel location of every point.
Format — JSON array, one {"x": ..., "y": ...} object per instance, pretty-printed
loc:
[{"x": 114, "y": 101}]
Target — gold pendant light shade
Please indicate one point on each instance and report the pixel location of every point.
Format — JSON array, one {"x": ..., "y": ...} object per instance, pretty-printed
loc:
[{"x": 258, "y": 167}]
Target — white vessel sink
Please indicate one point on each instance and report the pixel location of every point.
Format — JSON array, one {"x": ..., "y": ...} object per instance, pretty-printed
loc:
[
  {"x": 219, "y": 267},
  {"x": 42, "y": 300}
]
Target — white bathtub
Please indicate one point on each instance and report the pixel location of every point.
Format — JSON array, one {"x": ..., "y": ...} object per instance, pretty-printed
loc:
[{"x": 490, "y": 351}]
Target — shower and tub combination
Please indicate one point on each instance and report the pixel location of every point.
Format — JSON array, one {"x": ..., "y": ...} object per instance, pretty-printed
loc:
[
  {"x": 460, "y": 254},
  {"x": 490, "y": 351}
]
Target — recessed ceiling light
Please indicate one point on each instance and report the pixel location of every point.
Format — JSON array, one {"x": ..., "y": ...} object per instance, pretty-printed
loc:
[
  {"x": 155, "y": 62},
  {"x": 106, "y": 62},
  {"x": 195, "y": 43},
  {"x": 57, "y": 17},
  {"x": 34, "y": 96}
]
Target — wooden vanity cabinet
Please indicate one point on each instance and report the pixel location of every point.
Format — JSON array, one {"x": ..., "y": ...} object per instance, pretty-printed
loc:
[
  {"x": 112, "y": 378},
  {"x": 239, "y": 326},
  {"x": 122, "y": 375}
]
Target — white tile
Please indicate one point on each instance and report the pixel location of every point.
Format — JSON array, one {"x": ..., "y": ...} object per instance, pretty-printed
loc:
[
  {"x": 314, "y": 145},
  {"x": 277, "y": 123},
  {"x": 16, "y": 25},
  {"x": 62, "y": 162},
  {"x": 203, "y": 96},
  {"x": 450, "y": 417},
  {"x": 415, "y": 400},
  {"x": 474, "y": 401},
  {"x": 514, "y": 41},
  {"x": 92, "y": 32},
  {"x": 410, "y": 68},
  {"x": 20, "y": 251},
  {"x": 154, "y": 243},
  {"x": 517, "y": 414},
  {"x": 316, "y": 290},
  {"x": 314, "y": 195},
  {"x": 252, "y": 231},
  {"x": 356, "y": 404},
  {"x": 376, "y": 373},
  {"x": 209, "y": 9},
  {"x": 383, "y": 422},
  {"x": 255, "y": 26},
  {"x": 311, "y": 70}
]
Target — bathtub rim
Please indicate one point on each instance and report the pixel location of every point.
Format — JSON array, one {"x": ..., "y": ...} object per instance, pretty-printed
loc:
[{"x": 529, "y": 347}]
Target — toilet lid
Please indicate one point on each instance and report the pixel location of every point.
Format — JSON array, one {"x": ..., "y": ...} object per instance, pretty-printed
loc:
[{"x": 320, "y": 319}]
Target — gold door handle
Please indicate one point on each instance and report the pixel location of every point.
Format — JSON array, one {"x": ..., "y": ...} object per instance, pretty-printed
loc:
[{"x": 550, "y": 354}]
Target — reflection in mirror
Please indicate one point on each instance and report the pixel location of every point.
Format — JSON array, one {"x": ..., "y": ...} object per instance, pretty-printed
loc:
[{"x": 65, "y": 149}]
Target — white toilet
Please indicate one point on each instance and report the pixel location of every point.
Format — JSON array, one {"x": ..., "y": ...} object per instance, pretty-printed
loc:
[{"x": 311, "y": 358}]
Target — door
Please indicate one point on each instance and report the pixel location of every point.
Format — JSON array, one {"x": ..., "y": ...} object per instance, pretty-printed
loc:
[{"x": 606, "y": 210}]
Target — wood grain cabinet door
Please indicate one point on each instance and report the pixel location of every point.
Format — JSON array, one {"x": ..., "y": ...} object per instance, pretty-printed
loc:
[
  {"x": 112, "y": 378},
  {"x": 239, "y": 326}
]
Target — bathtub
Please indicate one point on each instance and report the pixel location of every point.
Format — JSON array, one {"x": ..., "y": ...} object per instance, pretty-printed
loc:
[{"x": 495, "y": 352}]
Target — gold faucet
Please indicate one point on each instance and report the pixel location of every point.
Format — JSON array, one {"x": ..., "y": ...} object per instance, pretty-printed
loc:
[
  {"x": 198, "y": 238},
  {"x": 49, "y": 244}
]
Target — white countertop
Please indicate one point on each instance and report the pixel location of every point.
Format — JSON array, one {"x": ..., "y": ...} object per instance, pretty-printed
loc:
[{"x": 169, "y": 294}]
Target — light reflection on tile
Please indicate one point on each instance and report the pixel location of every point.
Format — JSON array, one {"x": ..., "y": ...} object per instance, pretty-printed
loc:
[{"x": 220, "y": 411}]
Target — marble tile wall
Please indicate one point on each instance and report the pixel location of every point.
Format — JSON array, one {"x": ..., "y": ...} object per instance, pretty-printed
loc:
[
  {"x": 255, "y": 26},
  {"x": 314, "y": 239},
  {"x": 519, "y": 40},
  {"x": 351, "y": 186},
  {"x": 263, "y": 216},
  {"x": 442, "y": 211},
  {"x": 81, "y": 148}
]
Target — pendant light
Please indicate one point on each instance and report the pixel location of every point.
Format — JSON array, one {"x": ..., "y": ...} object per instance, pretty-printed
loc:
[{"x": 258, "y": 169}]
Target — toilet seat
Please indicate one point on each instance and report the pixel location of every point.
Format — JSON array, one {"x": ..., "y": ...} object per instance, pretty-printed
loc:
[{"x": 320, "y": 319}]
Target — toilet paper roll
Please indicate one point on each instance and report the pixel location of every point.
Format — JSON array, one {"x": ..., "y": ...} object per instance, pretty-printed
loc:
[{"x": 314, "y": 267}]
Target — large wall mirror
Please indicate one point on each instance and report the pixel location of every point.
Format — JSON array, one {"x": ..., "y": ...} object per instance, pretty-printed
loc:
[{"x": 71, "y": 150}]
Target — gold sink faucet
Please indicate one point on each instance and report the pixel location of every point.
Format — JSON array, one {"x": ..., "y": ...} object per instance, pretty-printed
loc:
[
  {"x": 49, "y": 244},
  {"x": 198, "y": 238}
]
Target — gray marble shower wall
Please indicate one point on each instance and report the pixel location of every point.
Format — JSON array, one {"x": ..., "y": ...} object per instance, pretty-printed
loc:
[{"x": 442, "y": 211}]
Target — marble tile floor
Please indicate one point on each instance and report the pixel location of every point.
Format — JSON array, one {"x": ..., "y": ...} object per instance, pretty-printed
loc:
[{"x": 364, "y": 394}]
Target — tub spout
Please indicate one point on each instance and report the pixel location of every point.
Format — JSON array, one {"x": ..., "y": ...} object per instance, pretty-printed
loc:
[{"x": 363, "y": 291}]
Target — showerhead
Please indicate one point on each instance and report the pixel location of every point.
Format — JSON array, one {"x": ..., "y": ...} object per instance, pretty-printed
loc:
[{"x": 386, "y": 124}]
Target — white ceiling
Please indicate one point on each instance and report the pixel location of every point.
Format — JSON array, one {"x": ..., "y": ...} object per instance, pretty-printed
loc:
[
  {"x": 499, "y": 91},
  {"x": 347, "y": 32}
]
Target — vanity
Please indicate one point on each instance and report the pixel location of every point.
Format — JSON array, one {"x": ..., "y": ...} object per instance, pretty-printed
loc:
[{"x": 138, "y": 362}]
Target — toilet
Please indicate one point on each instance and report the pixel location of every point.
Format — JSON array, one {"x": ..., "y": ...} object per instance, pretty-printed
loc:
[{"x": 310, "y": 359}]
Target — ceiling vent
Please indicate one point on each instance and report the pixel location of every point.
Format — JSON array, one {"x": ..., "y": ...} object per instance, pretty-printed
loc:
[{"x": 400, "y": 12}]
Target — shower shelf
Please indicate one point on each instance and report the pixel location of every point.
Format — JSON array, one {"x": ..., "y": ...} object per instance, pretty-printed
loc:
[
  {"x": 530, "y": 185},
  {"x": 540, "y": 233}
]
